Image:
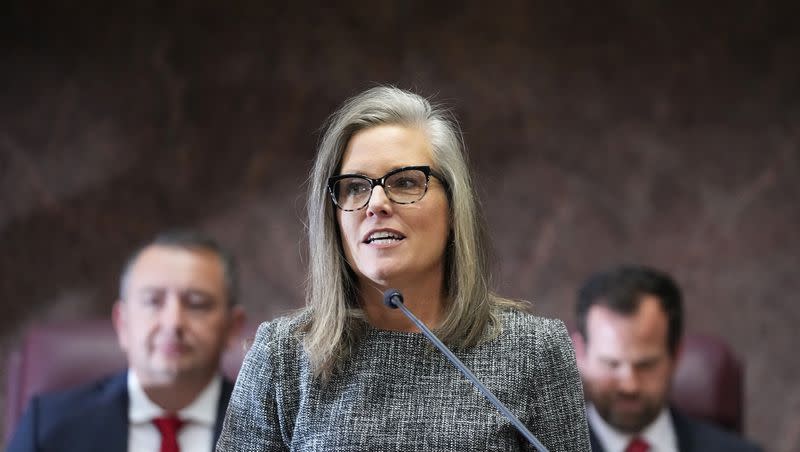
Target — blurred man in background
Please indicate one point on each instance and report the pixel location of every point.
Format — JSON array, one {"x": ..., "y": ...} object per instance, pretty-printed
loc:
[
  {"x": 630, "y": 321},
  {"x": 176, "y": 314}
]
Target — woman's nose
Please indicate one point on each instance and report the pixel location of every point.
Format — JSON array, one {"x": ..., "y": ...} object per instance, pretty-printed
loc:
[{"x": 379, "y": 203}]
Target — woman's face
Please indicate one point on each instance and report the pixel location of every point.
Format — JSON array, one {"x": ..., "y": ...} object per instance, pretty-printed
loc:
[{"x": 389, "y": 244}]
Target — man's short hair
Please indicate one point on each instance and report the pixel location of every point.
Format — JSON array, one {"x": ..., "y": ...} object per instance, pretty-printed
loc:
[
  {"x": 621, "y": 289},
  {"x": 189, "y": 239}
]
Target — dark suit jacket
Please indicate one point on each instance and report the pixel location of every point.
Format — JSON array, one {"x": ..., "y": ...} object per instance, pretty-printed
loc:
[
  {"x": 697, "y": 436},
  {"x": 91, "y": 418}
]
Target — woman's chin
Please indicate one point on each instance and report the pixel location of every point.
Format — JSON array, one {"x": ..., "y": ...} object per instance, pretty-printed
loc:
[
  {"x": 396, "y": 275},
  {"x": 382, "y": 277}
]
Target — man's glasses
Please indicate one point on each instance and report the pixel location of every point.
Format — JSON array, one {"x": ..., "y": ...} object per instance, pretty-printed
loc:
[{"x": 404, "y": 185}]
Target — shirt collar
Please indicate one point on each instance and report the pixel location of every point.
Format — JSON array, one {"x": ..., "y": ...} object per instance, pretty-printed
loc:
[
  {"x": 660, "y": 434},
  {"x": 202, "y": 410}
]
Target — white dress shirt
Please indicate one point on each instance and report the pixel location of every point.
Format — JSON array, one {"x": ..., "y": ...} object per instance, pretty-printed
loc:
[
  {"x": 660, "y": 434},
  {"x": 200, "y": 417}
]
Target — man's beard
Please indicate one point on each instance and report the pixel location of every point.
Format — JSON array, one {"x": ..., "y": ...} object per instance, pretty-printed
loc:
[{"x": 629, "y": 420}]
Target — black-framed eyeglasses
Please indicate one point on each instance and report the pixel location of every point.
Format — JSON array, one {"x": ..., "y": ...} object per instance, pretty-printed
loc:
[{"x": 404, "y": 185}]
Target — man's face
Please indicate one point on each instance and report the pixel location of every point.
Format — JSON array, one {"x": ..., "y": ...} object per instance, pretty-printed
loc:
[
  {"x": 626, "y": 365},
  {"x": 174, "y": 321}
]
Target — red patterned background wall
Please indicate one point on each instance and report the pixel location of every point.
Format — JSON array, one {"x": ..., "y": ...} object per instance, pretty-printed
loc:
[{"x": 628, "y": 132}]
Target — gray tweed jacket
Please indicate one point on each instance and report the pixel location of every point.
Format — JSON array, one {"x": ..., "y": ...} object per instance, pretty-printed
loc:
[{"x": 396, "y": 392}]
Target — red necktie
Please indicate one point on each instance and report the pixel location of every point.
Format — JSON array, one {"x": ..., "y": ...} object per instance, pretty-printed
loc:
[
  {"x": 637, "y": 445},
  {"x": 168, "y": 426}
]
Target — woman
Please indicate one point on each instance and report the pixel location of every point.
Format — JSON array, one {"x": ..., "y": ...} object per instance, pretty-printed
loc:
[{"x": 391, "y": 204}]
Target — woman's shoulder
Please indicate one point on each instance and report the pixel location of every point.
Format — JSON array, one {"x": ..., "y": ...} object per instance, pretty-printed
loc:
[
  {"x": 544, "y": 343},
  {"x": 524, "y": 324},
  {"x": 273, "y": 350},
  {"x": 282, "y": 329}
]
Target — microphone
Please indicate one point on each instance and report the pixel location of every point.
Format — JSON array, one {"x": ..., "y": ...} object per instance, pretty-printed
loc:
[{"x": 394, "y": 299}]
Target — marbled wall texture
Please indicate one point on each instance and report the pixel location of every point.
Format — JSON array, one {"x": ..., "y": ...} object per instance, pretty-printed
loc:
[{"x": 637, "y": 131}]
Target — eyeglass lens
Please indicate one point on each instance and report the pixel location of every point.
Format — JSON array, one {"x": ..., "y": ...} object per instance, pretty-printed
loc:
[{"x": 403, "y": 187}]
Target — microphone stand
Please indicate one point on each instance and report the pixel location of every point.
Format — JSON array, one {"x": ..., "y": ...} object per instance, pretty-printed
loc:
[{"x": 394, "y": 299}]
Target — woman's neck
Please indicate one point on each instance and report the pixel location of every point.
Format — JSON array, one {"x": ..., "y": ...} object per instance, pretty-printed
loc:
[{"x": 425, "y": 301}]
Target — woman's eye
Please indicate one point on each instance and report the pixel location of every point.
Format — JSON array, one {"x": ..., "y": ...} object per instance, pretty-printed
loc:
[
  {"x": 356, "y": 188},
  {"x": 406, "y": 183}
]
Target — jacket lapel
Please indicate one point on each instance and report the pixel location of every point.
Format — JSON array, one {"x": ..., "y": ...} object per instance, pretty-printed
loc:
[
  {"x": 104, "y": 425},
  {"x": 222, "y": 408},
  {"x": 683, "y": 431},
  {"x": 596, "y": 446}
]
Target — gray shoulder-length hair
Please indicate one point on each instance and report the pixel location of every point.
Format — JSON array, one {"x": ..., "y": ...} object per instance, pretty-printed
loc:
[{"x": 336, "y": 321}]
